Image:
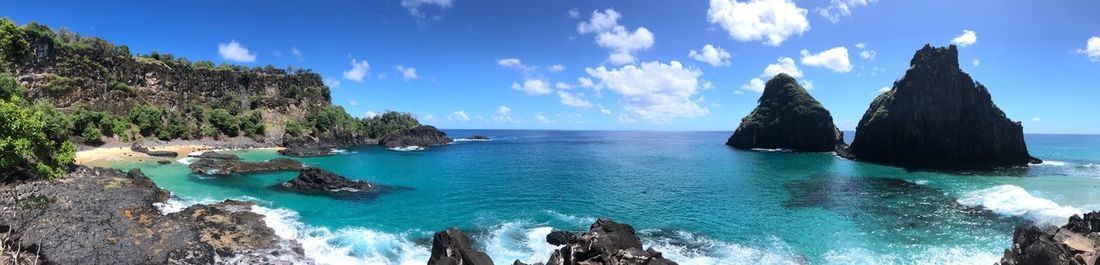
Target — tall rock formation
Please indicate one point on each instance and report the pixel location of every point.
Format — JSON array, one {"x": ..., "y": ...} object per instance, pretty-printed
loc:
[
  {"x": 937, "y": 117},
  {"x": 788, "y": 118}
]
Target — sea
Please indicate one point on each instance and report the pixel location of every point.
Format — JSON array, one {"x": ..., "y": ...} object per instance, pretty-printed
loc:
[{"x": 686, "y": 193}]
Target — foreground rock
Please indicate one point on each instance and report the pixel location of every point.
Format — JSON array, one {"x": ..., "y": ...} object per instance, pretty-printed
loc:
[
  {"x": 227, "y": 167},
  {"x": 140, "y": 147},
  {"x": 1077, "y": 242},
  {"x": 937, "y": 117},
  {"x": 216, "y": 155},
  {"x": 423, "y": 135},
  {"x": 787, "y": 118},
  {"x": 105, "y": 216},
  {"x": 316, "y": 180},
  {"x": 452, "y": 247}
]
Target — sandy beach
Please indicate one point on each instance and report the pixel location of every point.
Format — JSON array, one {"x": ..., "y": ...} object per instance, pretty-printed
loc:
[{"x": 119, "y": 152}]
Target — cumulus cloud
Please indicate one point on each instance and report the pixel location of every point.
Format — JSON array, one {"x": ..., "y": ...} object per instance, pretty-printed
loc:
[
  {"x": 883, "y": 89},
  {"x": 841, "y": 8},
  {"x": 573, "y": 13},
  {"x": 603, "y": 110},
  {"x": 835, "y": 59},
  {"x": 573, "y": 100},
  {"x": 1036, "y": 119},
  {"x": 653, "y": 91},
  {"x": 715, "y": 56},
  {"x": 539, "y": 117},
  {"x": 976, "y": 62},
  {"x": 563, "y": 86},
  {"x": 533, "y": 87},
  {"x": 864, "y": 52},
  {"x": 358, "y": 70},
  {"x": 431, "y": 118},
  {"x": 504, "y": 110},
  {"x": 408, "y": 73},
  {"x": 585, "y": 82},
  {"x": 234, "y": 51},
  {"x": 1092, "y": 49},
  {"x": 371, "y": 114},
  {"x": 414, "y": 6},
  {"x": 510, "y": 62},
  {"x": 459, "y": 116},
  {"x": 297, "y": 53},
  {"x": 967, "y": 38},
  {"x": 556, "y": 68},
  {"x": 332, "y": 82},
  {"x": 782, "y": 65},
  {"x": 772, "y": 21},
  {"x": 609, "y": 34}
]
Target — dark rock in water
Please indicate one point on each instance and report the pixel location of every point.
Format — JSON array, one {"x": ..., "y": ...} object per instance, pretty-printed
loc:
[
  {"x": 105, "y": 216},
  {"x": 334, "y": 138},
  {"x": 226, "y": 167},
  {"x": 323, "y": 181},
  {"x": 606, "y": 242},
  {"x": 477, "y": 137},
  {"x": 452, "y": 247},
  {"x": 1077, "y": 242},
  {"x": 139, "y": 147},
  {"x": 559, "y": 238},
  {"x": 423, "y": 136},
  {"x": 305, "y": 151},
  {"x": 216, "y": 155},
  {"x": 937, "y": 117},
  {"x": 164, "y": 162},
  {"x": 788, "y": 118}
]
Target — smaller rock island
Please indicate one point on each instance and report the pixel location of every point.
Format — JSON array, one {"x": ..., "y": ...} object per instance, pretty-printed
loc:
[{"x": 787, "y": 117}]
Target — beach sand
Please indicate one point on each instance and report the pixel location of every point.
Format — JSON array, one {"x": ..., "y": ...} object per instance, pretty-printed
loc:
[{"x": 108, "y": 155}]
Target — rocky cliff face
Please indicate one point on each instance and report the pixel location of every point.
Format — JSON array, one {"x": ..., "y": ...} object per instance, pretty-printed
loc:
[
  {"x": 788, "y": 118},
  {"x": 936, "y": 116},
  {"x": 1077, "y": 242}
]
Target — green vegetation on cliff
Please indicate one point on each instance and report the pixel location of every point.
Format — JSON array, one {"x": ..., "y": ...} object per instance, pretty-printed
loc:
[{"x": 33, "y": 137}]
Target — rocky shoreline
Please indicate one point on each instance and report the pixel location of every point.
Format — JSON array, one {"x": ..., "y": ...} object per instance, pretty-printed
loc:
[{"x": 1076, "y": 243}]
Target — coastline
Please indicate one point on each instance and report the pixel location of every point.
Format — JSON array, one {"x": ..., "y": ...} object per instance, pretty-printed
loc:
[{"x": 111, "y": 153}]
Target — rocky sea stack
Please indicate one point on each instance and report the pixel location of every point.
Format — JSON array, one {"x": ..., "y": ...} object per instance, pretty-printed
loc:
[
  {"x": 423, "y": 135},
  {"x": 787, "y": 118},
  {"x": 316, "y": 180},
  {"x": 937, "y": 117}
]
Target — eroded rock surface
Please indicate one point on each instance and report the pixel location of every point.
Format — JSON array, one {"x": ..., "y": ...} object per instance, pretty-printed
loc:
[
  {"x": 1076, "y": 243},
  {"x": 423, "y": 136},
  {"x": 228, "y": 167}
]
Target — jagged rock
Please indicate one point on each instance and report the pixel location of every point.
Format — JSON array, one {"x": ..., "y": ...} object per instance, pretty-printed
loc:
[
  {"x": 607, "y": 242},
  {"x": 139, "y": 147},
  {"x": 227, "y": 167},
  {"x": 105, "y": 216},
  {"x": 787, "y": 117},
  {"x": 164, "y": 162},
  {"x": 1076, "y": 243},
  {"x": 452, "y": 247},
  {"x": 216, "y": 155},
  {"x": 323, "y": 181},
  {"x": 424, "y": 135},
  {"x": 937, "y": 117},
  {"x": 305, "y": 151},
  {"x": 559, "y": 238}
]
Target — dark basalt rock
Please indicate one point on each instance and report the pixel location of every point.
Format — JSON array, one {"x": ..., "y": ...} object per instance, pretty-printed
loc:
[
  {"x": 139, "y": 147},
  {"x": 227, "y": 167},
  {"x": 105, "y": 216},
  {"x": 316, "y": 180},
  {"x": 937, "y": 117},
  {"x": 787, "y": 117},
  {"x": 1077, "y": 243},
  {"x": 559, "y": 238},
  {"x": 305, "y": 151},
  {"x": 164, "y": 162},
  {"x": 607, "y": 242},
  {"x": 216, "y": 155},
  {"x": 424, "y": 135},
  {"x": 452, "y": 247},
  {"x": 477, "y": 137}
]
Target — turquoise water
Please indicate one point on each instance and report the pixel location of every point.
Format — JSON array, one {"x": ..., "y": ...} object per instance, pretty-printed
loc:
[{"x": 689, "y": 195}]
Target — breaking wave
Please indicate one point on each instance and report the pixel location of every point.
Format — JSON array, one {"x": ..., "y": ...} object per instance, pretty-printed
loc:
[{"x": 1010, "y": 200}]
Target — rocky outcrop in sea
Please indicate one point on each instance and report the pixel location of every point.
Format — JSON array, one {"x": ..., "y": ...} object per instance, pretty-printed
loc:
[
  {"x": 139, "y": 146},
  {"x": 222, "y": 167},
  {"x": 316, "y": 180},
  {"x": 452, "y": 247},
  {"x": 937, "y": 117},
  {"x": 105, "y": 216},
  {"x": 787, "y": 117},
  {"x": 1076, "y": 243},
  {"x": 216, "y": 155},
  {"x": 422, "y": 136}
]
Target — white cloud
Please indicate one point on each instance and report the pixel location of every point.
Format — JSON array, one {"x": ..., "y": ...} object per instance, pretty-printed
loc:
[
  {"x": 603, "y": 110},
  {"x": 976, "y": 62},
  {"x": 556, "y": 68},
  {"x": 358, "y": 70},
  {"x": 353, "y": 103},
  {"x": 782, "y": 65},
  {"x": 542, "y": 118},
  {"x": 297, "y": 53},
  {"x": 234, "y": 51},
  {"x": 715, "y": 56},
  {"x": 371, "y": 114},
  {"x": 573, "y": 13},
  {"x": 839, "y": 8},
  {"x": 609, "y": 34},
  {"x": 861, "y": 45},
  {"x": 806, "y": 84},
  {"x": 408, "y": 73},
  {"x": 573, "y": 100},
  {"x": 754, "y": 85},
  {"x": 414, "y": 6},
  {"x": 653, "y": 91},
  {"x": 563, "y": 86},
  {"x": 533, "y": 87},
  {"x": 1036, "y": 119},
  {"x": 835, "y": 59},
  {"x": 967, "y": 38},
  {"x": 772, "y": 21},
  {"x": 867, "y": 54},
  {"x": 883, "y": 89},
  {"x": 510, "y": 62},
  {"x": 504, "y": 110},
  {"x": 332, "y": 82},
  {"x": 1092, "y": 49},
  {"x": 459, "y": 116},
  {"x": 585, "y": 82},
  {"x": 430, "y": 118}
]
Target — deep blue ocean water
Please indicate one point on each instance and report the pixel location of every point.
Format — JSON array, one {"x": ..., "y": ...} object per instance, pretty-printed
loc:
[{"x": 690, "y": 196}]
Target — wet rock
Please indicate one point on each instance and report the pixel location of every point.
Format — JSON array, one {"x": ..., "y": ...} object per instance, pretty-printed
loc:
[
  {"x": 424, "y": 135},
  {"x": 787, "y": 117},
  {"x": 452, "y": 247},
  {"x": 559, "y": 238},
  {"x": 140, "y": 147},
  {"x": 1076, "y": 243},
  {"x": 316, "y": 180},
  {"x": 227, "y": 167},
  {"x": 937, "y": 117},
  {"x": 216, "y": 155},
  {"x": 607, "y": 242},
  {"x": 164, "y": 162},
  {"x": 305, "y": 151}
]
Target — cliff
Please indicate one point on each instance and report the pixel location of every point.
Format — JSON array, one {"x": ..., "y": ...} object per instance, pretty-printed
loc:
[
  {"x": 787, "y": 117},
  {"x": 937, "y": 117}
]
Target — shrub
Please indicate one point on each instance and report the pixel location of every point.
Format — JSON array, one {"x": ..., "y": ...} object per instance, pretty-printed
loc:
[
  {"x": 10, "y": 89},
  {"x": 147, "y": 118},
  {"x": 120, "y": 86},
  {"x": 92, "y": 136},
  {"x": 28, "y": 148},
  {"x": 56, "y": 84},
  {"x": 252, "y": 123},
  {"x": 13, "y": 45},
  {"x": 223, "y": 121}
]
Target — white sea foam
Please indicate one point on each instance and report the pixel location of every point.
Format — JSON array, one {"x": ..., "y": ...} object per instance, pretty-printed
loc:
[
  {"x": 1052, "y": 163},
  {"x": 578, "y": 221},
  {"x": 187, "y": 160},
  {"x": 172, "y": 205},
  {"x": 689, "y": 249},
  {"x": 512, "y": 241},
  {"x": 921, "y": 182},
  {"x": 771, "y": 149},
  {"x": 471, "y": 140},
  {"x": 933, "y": 255},
  {"x": 1015, "y": 201},
  {"x": 344, "y": 246},
  {"x": 407, "y": 148}
]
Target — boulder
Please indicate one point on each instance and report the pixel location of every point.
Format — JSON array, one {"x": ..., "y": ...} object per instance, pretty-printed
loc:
[
  {"x": 1075, "y": 243},
  {"x": 227, "y": 167},
  {"x": 216, "y": 155},
  {"x": 164, "y": 162},
  {"x": 140, "y": 147},
  {"x": 423, "y": 135},
  {"x": 937, "y": 117},
  {"x": 322, "y": 181},
  {"x": 305, "y": 151},
  {"x": 787, "y": 117},
  {"x": 607, "y": 242},
  {"x": 452, "y": 247},
  {"x": 559, "y": 238}
]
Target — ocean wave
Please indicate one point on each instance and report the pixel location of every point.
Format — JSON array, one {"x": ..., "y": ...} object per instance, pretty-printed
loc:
[
  {"x": 471, "y": 140},
  {"x": 574, "y": 220},
  {"x": 407, "y": 148},
  {"x": 931, "y": 255},
  {"x": 517, "y": 240},
  {"x": 187, "y": 160},
  {"x": 1053, "y": 163},
  {"x": 689, "y": 248},
  {"x": 344, "y": 246},
  {"x": 771, "y": 149},
  {"x": 1012, "y": 200}
]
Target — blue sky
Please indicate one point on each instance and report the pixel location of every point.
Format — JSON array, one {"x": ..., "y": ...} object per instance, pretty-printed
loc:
[{"x": 470, "y": 58}]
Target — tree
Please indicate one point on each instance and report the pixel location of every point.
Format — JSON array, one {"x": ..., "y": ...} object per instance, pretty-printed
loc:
[
  {"x": 10, "y": 88},
  {"x": 147, "y": 118},
  {"x": 252, "y": 123},
  {"x": 92, "y": 136},
  {"x": 223, "y": 121},
  {"x": 13, "y": 45},
  {"x": 27, "y": 148}
]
